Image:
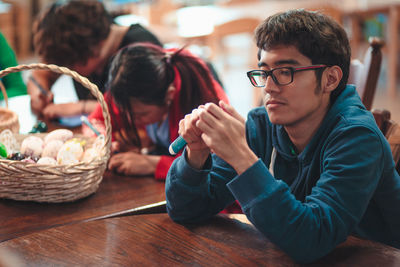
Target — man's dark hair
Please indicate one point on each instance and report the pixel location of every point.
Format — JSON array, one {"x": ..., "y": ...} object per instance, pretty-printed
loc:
[
  {"x": 69, "y": 32},
  {"x": 315, "y": 35}
]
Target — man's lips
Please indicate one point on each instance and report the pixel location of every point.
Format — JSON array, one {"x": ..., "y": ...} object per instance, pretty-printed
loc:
[{"x": 274, "y": 102}]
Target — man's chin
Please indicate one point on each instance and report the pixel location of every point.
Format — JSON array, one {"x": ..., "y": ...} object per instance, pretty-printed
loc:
[{"x": 278, "y": 120}]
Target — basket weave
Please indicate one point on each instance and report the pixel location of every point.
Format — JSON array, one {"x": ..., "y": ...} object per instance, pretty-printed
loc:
[
  {"x": 8, "y": 118},
  {"x": 54, "y": 183}
]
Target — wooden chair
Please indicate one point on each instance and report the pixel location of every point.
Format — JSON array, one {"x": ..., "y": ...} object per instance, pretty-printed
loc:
[
  {"x": 365, "y": 74},
  {"x": 394, "y": 141},
  {"x": 241, "y": 25},
  {"x": 384, "y": 122},
  {"x": 223, "y": 47},
  {"x": 391, "y": 131}
]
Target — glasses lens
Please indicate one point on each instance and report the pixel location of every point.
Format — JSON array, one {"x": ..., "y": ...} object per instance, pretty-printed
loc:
[
  {"x": 283, "y": 75},
  {"x": 257, "y": 78}
]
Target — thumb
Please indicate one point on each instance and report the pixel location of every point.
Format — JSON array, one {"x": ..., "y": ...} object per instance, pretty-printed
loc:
[
  {"x": 50, "y": 97},
  {"x": 230, "y": 110}
]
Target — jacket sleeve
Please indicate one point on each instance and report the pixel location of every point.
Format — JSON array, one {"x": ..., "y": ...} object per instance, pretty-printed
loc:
[
  {"x": 350, "y": 171},
  {"x": 188, "y": 190}
]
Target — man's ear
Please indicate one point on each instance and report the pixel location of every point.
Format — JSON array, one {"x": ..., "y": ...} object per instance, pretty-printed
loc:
[
  {"x": 169, "y": 96},
  {"x": 331, "y": 78}
]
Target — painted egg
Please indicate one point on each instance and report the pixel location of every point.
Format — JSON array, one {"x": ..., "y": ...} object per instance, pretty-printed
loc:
[
  {"x": 51, "y": 148},
  {"x": 70, "y": 152},
  {"x": 59, "y": 134},
  {"x": 47, "y": 160},
  {"x": 32, "y": 146}
]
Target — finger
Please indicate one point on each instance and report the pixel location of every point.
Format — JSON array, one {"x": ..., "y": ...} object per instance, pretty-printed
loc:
[
  {"x": 121, "y": 169},
  {"x": 215, "y": 110},
  {"x": 209, "y": 118},
  {"x": 37, "y": 104},
  {"x": 114, "y": 162},
  {"x": 115, "y": 146},
  {"x": 181, "y": 129},
  {"x": 206, "y": 139},
  {"x": 116, "y": 157},
  {"x": 196, "y": 117},
  {"x": 47, "y": 112},
  {"x": 205, "y": 127},
  {"x": 188, "y": 129},
  {"x": 49, "y": 97},
  {"x": 50, "y": 112},
  {"x": 230, "y": 110}
]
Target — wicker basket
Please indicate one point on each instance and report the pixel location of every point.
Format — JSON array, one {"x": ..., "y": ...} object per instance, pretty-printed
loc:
[
  {"x": 54, "y": 183},
  {"x": 8, "y": 118}
]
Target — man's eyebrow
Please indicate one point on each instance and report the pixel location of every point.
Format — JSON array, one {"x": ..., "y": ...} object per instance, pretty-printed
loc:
[
  {"x": 262, "y": 64},
  {"x": 280, "y": 62}
]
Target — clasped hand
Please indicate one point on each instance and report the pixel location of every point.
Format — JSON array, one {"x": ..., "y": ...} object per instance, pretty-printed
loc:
[{"x": 219, "y": 129}]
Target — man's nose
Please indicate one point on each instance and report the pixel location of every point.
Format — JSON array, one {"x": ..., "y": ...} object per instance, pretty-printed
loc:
[{"x": 270, "y": 85}]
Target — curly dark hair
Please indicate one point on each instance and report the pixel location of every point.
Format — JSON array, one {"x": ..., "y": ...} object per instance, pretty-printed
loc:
[
  {"x": 69, "y": 32},
  {"x": 314, "y": 34}
]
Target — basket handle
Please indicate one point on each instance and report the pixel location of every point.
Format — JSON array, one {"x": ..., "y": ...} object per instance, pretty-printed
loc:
[
  {"x": 3, "y": 90},
  {"x": 84, "y": 81}
]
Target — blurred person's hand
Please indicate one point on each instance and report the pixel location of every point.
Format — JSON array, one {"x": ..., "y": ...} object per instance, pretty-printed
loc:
[
  {"x": 132, "y": 163},
  {"x": 52, "y": 111},
  {"x": 39, "y": 100}
]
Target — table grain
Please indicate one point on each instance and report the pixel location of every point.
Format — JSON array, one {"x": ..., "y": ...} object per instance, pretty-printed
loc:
[
  {"x": 155, "y": 240},
  {"x": 115, "y": 194}
]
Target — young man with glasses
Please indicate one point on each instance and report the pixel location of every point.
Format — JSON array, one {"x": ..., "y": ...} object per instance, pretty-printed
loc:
[{"x": 310, "y": 167}]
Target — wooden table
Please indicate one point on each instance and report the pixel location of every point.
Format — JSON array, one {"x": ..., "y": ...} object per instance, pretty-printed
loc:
[
  {"x": 115, "y": 194},
  {"x": 155, "y": 240}
]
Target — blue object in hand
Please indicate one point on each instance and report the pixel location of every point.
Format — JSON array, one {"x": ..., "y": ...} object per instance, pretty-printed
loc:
[{"x": 176, "y": 146}]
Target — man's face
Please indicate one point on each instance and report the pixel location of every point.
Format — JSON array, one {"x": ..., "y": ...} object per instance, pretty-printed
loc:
[
  {"x": 92, "y": 65},
  {"x": 295, "y": 102}
]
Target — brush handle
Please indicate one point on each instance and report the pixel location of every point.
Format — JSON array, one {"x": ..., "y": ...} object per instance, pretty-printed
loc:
[
  {"x": 86, "y": 121},
  {"x": 176, "y": 146}
]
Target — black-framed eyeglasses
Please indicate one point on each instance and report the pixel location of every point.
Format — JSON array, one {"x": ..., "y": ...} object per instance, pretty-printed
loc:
[{"x": 281, "y": 75}]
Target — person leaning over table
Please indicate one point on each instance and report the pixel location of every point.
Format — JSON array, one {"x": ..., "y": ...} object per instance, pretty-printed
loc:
[
  {"x": 150, "y": 91},
  {"x": 79, "y": 35},
  {"x": 309, "y": 168},
  {"x": 13, "y": 82}
]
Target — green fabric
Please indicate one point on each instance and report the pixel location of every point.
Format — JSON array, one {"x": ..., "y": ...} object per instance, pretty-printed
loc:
[{"x": 12, "y": 82}]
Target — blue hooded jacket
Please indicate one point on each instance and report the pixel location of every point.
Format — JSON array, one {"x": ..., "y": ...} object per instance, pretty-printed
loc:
[{"x": 343, "y": 183}]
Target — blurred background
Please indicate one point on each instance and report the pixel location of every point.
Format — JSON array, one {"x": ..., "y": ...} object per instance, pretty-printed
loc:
[{"x": 222, "y": 32}]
